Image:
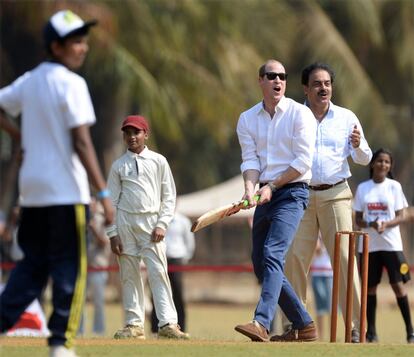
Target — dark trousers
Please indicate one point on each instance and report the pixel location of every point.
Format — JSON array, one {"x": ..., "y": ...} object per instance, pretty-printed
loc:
[
  {"x": 176, "y": 280},
  {"x": 53, "y": 240}
]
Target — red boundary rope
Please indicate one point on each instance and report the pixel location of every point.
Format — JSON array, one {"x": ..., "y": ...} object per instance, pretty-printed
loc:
[{"x": 243, "y": 268}]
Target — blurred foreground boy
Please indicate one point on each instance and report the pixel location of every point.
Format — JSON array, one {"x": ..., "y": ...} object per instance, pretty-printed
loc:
[
  {"x": 58, "y": 156},
  {"x": 143, "y": 191}
]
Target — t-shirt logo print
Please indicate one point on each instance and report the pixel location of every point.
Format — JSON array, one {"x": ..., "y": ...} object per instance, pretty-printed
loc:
[{"x": 377, "y": 206}]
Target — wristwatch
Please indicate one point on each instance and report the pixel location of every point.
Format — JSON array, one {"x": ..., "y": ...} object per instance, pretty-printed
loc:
[{"x": 272, "y": 186}]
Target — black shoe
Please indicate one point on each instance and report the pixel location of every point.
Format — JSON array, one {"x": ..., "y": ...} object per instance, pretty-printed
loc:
[
  {"x": 371, "y": 337},
  {"x": 354, "y": 336},
  {"x": 410, "y": 338}
]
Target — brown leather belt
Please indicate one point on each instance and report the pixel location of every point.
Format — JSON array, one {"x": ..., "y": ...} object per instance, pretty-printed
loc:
[{"x": 324, "y": 187}]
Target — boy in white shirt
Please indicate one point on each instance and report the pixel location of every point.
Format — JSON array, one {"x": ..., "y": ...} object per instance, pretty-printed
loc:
[
  {"x": 143, "y": 192},
  {"x": 58, "y": 157}
]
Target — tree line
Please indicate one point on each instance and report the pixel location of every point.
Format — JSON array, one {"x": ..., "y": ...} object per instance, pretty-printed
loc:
[{"x": 190, "y": 66}]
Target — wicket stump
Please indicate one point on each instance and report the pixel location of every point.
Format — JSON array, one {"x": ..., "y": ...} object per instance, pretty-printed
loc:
[{"x": 349, "y": 288}]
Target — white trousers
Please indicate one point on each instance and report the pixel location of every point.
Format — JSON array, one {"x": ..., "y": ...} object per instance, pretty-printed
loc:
[{"x": 135, "y": 234}]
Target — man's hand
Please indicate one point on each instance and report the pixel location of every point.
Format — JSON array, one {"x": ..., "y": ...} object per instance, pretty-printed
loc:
[
  {"x": 116, "y": 245},
  {"x": 158, "y": 234},
  {"x": 265, "y": 194},
  {"x": 355, "y": 137},
  {"x": 250, "y": 177},
  {"x": 249, "y": 197}
]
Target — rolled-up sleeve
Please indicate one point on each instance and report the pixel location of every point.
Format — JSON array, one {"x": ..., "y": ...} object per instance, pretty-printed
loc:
[
  {"x": 304, "y": 138},
  {"x": 250, "y": 158}
]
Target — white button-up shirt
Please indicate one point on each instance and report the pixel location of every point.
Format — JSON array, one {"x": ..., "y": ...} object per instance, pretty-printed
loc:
[
  {"x": 271, "y": 145},
  {"x": 141, "y": 184},
  {"x": 330, "y": 164}
]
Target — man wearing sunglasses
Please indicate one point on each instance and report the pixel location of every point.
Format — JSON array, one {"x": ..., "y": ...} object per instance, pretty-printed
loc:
[
  {"x": 339, "y": 135},
  {"x": 277, "y": 139}
]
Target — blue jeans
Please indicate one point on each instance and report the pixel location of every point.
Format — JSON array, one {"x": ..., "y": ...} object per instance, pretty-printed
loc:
[{"x": 274, "y": 227}]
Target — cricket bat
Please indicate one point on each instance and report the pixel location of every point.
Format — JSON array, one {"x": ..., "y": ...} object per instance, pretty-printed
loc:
[{"x": 219, "y": 213}]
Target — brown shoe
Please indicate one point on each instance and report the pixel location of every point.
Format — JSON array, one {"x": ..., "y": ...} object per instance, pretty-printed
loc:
[
  {"x": 253, "y": 330},
  {"x": 306, "y": 334}
]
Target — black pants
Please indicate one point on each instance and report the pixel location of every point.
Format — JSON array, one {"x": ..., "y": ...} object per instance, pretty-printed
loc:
[
  {"x": 53, "y": 240},
  {"x": 176, "y": 279}
]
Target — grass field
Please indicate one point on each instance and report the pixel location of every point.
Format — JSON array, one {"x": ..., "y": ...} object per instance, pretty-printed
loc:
[
  {"x": 199, "y": 348},
  {"x": 212, "y": 330}
]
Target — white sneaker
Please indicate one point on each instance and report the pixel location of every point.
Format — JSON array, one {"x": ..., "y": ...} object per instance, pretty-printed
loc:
[
  {"x": 172, "y": 331},
  {"x": 130, "y": 331},
  {"x": 61, "y": 351}
]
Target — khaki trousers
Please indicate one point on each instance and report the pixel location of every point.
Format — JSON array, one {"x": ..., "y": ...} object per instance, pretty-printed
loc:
[
  {"x": 329, "y": 211},
  {"x": 135, "y": 234}
]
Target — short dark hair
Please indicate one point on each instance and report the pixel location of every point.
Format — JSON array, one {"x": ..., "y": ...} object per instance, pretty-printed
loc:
[
  {"x": 375, "y": 156},
  {"x": 314, "y": 66},
  {"x": 50, "y": 35},
  {"x": 262, "y": 70}
]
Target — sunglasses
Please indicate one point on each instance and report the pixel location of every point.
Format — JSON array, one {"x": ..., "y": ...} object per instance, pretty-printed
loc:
[{"x": 272, "y": 75}]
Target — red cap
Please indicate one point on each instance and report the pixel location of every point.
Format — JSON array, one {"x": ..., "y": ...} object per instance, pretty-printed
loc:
[{"x": 136, "y": 121}]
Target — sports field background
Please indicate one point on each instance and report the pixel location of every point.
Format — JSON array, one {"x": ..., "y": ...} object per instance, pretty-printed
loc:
[{"x": 218, "y": 302}]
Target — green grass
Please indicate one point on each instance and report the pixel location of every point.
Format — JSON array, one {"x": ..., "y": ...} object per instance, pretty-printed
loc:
[
  {"x": 212, "y": 329},
  {"x": 215, "y": 348}
]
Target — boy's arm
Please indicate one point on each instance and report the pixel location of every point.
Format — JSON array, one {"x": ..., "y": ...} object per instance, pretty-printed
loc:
[
  {"x": 114, "y": 186},
  {"x": 83, "y": 146},
  {"x": 168, "y": 196},
  {"x": 167, "y": 208},
  {"x": 9, "y": 127}
]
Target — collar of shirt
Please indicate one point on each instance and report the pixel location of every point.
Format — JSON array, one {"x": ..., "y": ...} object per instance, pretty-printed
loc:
[
  {"x": 281, "y": 106},
  {"x": 331, "y": 110},
  {"x": 329, "y": 113},
  {"x": 144, "y": 153}
]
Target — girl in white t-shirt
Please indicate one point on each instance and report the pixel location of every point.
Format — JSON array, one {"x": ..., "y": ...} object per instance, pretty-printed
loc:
[{"x": 379, "y": 205}]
